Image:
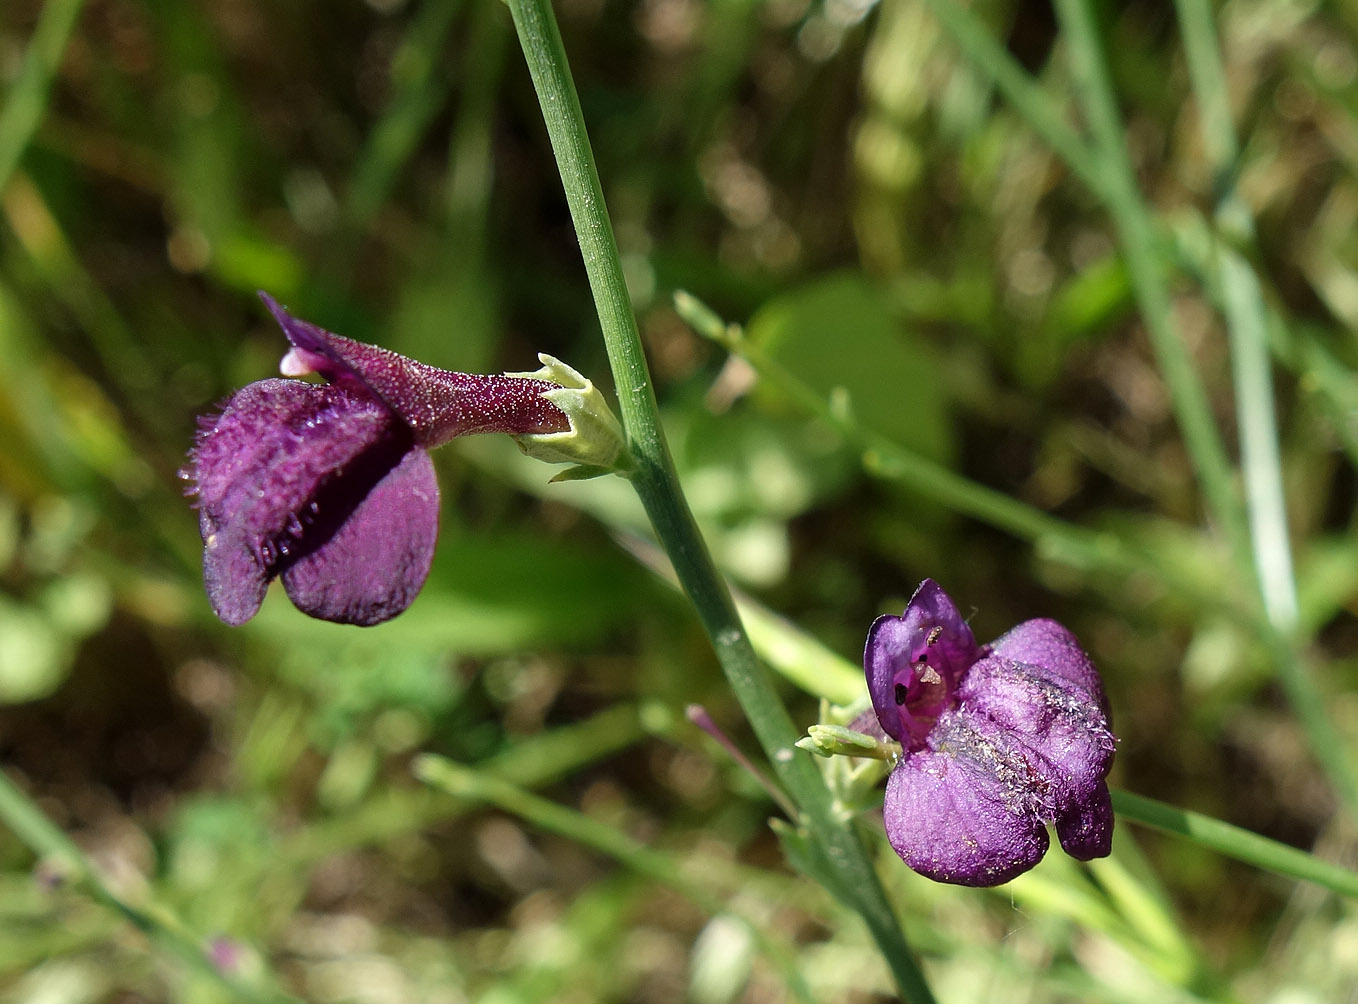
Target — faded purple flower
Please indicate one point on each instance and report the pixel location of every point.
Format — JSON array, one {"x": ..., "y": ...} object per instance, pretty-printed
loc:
[
  {"x": 225, "y": 954},
  {"x": 330, "y": 486},
  {"x": 997, "y": 741}
]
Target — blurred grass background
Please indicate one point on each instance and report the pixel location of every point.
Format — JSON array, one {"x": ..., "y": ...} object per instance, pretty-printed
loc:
[{"x": 841, "y": 179}]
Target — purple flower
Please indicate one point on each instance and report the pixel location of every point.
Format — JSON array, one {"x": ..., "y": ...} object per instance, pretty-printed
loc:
[
  {"x": 330, "y": 486},
  {"x": 225, "y": 954},
  {"x": 997, "y": 741}
]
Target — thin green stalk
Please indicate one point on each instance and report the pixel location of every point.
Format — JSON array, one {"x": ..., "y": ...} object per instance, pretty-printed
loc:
[
  {"x": 44, "y": 839},
  {"x": 1233, "y": 842},
  {"x": 1044, "y": 116},
  {"x": 990, "y": 58},
  {"x": 1247, "y": 323},
  {"x": 1208, "y": 76},
  {"x": 466, "y": 784},
  {"x": 530, "y": 762},
  {"x": 27, "y": 98},
  {"x": 419, "y": 93},
  {"x": 1198, "y": 249},
  {"x": 1105, "y": 169},
  {"x": 886, "y": 459},
  {"x": 1137, "y": 235},
  {"x": 658, "y": 487}
]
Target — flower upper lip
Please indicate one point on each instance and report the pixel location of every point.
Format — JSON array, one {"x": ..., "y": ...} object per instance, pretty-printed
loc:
[{"x": 438, "y": 405}]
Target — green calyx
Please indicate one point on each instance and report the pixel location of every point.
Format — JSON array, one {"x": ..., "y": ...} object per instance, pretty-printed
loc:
[
  {"x": 837, "y": 740},
  {"x": 594, "y": 442}
]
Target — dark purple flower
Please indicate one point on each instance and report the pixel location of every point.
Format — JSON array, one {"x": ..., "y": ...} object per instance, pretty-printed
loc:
[
  {"x": 997, "y": 741},
  {"x": 330, "y": 486}
]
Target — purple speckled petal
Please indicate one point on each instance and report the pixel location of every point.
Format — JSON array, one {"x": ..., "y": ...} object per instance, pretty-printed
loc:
[
  {"x": 375, "y": 564},
  {"x": 437, "y": 404},
  {"x": 930, "y": 636},
  {"x": 1044, "y": 642},
  {"x": 1086, "y": 830},
  {"x": 959, "y": 812},
  {"x": 1061, "y": 726},
  {"x": 258, "y": 469}
]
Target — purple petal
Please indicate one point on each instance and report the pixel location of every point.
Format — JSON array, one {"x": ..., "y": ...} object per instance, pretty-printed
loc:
[
  {"x": 316, "y": 350},
  {"x": 437, "y": 404},
  {"x": 1086, "y": 831},
  {"x": 960, "y": 812},
  {"x": 952, "y": 641},
  {"x": 1046, "y": 643},
  {"x": 914, "y": 661},
  {"x": 259, "y": 469},
  {"x": 375, "y": 564},
  {"x": 1060, "y": 727}
]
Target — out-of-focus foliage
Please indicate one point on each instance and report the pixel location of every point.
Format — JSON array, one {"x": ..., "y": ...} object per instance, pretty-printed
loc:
[{"x": 834, "y": 175}]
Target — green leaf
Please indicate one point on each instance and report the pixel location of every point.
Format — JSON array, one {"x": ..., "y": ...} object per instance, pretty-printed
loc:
[
  {"x": 839, "y": 332},
  {"x": 34, "y": 657}
]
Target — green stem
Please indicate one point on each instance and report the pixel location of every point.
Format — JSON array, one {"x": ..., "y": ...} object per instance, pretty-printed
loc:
[
  {"x": 44, "y": 839},
  {"x": 27, "y": 98},
  {"x": 658, "y": 487},
  {"x": 1247, "y": 323},
  {"x": 1036, "y": 108},
  {"x": 1137, "y": 236},
  {"x": 1053, "y": 538},
  {"x": 1043, "y": 114},
  {"x": 395, "y": 812},
  {"x": 466, "y": 784},
  {"x": 1234, "y": 842},
  {"x": 1208, "y": 76}
]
